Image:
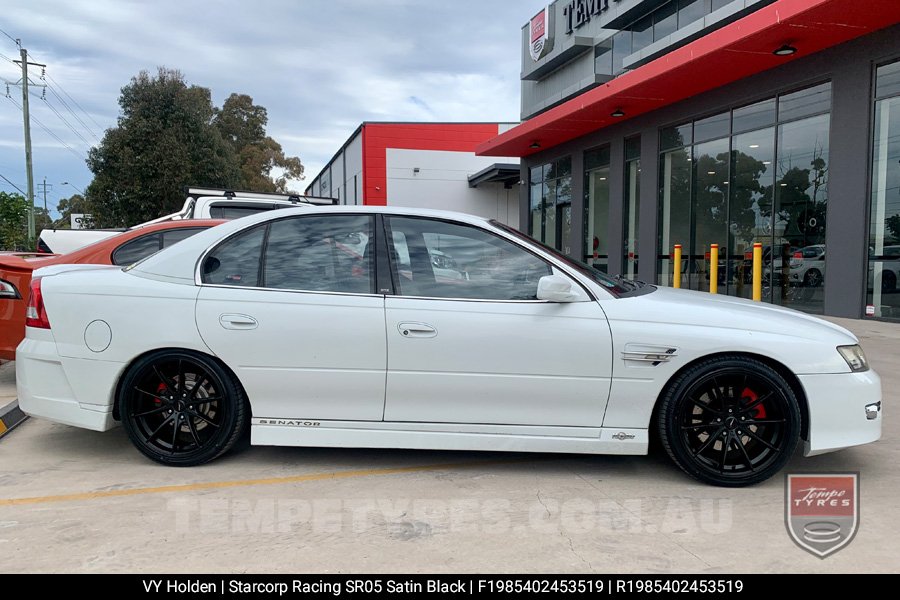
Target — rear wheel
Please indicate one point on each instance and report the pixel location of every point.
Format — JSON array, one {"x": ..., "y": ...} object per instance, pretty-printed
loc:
[
  {"x": 729, "y": 421},
  {"x": 181, "y": 408}
]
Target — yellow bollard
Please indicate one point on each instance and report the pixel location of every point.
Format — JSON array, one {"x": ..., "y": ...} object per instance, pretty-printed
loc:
[
  {"x": 676, "y": 259},
  {"x": 714, "y": 269},
  {"x": 757, "y": 272}
]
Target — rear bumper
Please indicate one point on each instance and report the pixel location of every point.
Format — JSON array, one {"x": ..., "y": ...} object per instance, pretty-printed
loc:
[
  {"x": 45, "y": 391},
  {"x": 844, "y": 410}
]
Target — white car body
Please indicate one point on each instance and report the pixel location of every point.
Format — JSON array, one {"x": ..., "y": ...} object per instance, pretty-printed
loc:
[{"x": 332, "y": 369}]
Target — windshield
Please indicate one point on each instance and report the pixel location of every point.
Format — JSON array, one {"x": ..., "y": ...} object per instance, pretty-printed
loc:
[{"x": 615, "y": 284}]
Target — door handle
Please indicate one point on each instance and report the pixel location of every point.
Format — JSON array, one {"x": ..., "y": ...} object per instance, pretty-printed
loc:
[
  {"x": 415, "y": 329},
  {"x": 234, "y": 321}
]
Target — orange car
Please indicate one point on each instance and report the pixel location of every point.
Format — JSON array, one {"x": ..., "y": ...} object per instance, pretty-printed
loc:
[{"x": 122, "y": 249}]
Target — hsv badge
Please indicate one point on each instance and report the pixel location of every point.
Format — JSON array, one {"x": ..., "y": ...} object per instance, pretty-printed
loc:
[{"x": 822, "y": 510}]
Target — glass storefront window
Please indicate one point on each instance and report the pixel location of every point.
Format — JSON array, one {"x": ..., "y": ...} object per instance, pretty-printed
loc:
[
  {"x": 801, "y": 202},
  {"x": 748, "y": 118},
  {"x": 676, "y": 137},
  {"x": 710, "y": 208},
  {"x": 758, "y": 173},
  {"x": 674, "y": 208},
  {"x": 550, "y": 203},
  {"x": 811, "y": 101},
  {"x": 750, "y": 211},
  {"x": 713, "y": 127},
  {"x": 887, "y": 82},
  {"x": 632, "y": 206},
  {"x": 596, "y": 207},
  {"x": 882, "y": 294}
]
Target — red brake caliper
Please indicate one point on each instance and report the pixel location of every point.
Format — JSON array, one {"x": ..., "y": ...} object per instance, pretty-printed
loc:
[
  {"x": 749, "y": 396},
  {"x": 160, "y": 390}
]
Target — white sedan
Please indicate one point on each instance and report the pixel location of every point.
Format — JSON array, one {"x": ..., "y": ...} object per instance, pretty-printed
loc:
[{"x": 283, "y": 324}]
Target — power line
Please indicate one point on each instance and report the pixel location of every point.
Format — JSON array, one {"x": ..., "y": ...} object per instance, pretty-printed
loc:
[
  {"x": 61, "y": 118},
  {"x": 75, "y": 102},
  {"x": 15, "y": 41},
  {"x": 12, "y": 184},
  {"x": 49, "y": 131},
  {"x": 72, "y": 112}
]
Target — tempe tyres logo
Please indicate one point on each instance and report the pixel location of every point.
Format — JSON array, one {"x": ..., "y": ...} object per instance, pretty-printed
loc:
[{"x": 822, "y": 510}]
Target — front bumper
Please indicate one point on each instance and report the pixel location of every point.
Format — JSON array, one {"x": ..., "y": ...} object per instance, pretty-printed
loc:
[
  {"x": 45, "y": 391},
  {"x": 844, "y": 410}
]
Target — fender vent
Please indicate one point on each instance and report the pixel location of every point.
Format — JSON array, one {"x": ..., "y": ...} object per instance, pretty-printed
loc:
[{"x": 638, "y": 354}]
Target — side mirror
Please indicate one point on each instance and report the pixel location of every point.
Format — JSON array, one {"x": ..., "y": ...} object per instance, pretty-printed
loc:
[{"x": 556, "y": 288}]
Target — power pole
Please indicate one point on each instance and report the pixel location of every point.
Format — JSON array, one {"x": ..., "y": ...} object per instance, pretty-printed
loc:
[
  {"x": 27, "y": 119},
  {"x": 46, "y": 185}
]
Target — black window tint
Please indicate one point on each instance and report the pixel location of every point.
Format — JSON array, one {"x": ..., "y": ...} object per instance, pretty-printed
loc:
[
  {"x": 448, "y": 260},
  {"x": 235, "y": 261},
  {"x": 173, "y": 236},
  {"x": 136, "y": 249},
  {"x": 224, "y": 211},
  {"x": 320, "y": 253}
]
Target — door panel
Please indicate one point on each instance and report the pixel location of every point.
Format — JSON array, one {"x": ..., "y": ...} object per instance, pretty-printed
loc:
[
  {"x": 514, "y": 363},
  {"x": 290, "y": 308},
  {"x": 468, "y": 342},
  {"x": 308, "y": 356}
]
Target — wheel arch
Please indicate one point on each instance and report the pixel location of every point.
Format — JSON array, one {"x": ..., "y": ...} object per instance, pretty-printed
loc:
[
  {"x": 135, "y": 359},
  {"x": 779, "y": 367}
]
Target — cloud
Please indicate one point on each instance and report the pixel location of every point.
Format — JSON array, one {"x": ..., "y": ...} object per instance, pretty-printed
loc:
[{"x": 319, "y": 67}]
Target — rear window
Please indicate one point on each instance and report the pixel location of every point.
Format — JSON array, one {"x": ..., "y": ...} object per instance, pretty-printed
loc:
[{"x": 236, "y": 211}]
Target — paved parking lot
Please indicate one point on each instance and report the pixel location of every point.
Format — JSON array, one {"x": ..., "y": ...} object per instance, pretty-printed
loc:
[{"x": 73, "y": 500}]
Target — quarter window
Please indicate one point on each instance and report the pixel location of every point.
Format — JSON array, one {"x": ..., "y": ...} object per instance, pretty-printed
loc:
[
  {"x": 236, "y": 261},
  {"x": 436, "y": 259},
  {"x": 139, "y": 248}
]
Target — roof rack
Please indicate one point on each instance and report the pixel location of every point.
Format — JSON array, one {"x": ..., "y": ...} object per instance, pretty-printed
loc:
[{"x": 197, "y": 192}]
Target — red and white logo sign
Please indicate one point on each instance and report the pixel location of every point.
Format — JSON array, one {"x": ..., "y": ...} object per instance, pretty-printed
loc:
[
  {"x": 540, "y": 42},
  {"x": 822, "y": 510}
]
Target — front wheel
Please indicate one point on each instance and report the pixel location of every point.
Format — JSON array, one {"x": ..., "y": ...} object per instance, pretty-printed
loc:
[
  {"x": 729, "y": 421},
  {"x": 181, "y": 408}
]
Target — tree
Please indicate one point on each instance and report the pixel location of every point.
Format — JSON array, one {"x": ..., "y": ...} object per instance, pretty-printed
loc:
[
  {"x": 243, "y": 125},
  {"x": 165, "y": 140},
  {"x": 14, "y": 221}
]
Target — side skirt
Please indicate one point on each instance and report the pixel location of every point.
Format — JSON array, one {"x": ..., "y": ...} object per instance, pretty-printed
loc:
[{"x": 446, "y": 436}]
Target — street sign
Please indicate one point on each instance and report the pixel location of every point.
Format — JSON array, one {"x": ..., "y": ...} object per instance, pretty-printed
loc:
[{"x": 82, "y": 221}]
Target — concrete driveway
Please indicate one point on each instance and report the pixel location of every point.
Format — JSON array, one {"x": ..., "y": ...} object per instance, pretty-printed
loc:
[{"x": 77, "y": 501}]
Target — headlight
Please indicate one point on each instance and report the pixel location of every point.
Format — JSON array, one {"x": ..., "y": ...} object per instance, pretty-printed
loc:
[
  {"x": 8, "y": 290},
  {"x": 855, "y": 358}
]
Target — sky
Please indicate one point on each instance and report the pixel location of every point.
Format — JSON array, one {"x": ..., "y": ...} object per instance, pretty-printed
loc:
[{"x": 319, "y": 67}]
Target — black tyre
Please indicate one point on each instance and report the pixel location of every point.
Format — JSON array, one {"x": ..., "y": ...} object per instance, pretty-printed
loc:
[
  {"x": 729, "y": 421},
  {"x": 182, "y": 408}
]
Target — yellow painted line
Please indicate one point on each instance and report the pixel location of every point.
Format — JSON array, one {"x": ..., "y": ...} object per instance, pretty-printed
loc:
[
  {"x": 216, "y": 485},
  {"x": 2, "y": 427}
]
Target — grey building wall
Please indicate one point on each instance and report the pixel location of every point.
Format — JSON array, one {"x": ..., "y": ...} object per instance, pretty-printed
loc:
[
  {"x": 569, "y": 69},
  {"x": 850, "y": 67}
]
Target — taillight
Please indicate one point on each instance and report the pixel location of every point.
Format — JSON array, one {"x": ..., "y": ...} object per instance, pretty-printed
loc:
[
  {"x": 35, "y": 313},
  {"x": 8, "y": 290},
  {"x": 798, "y": 255}
]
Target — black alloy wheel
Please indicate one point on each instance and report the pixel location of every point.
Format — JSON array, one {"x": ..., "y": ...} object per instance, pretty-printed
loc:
[
  {"x": 729, "y": 421},
  {"x": 181, "y": 408}
]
